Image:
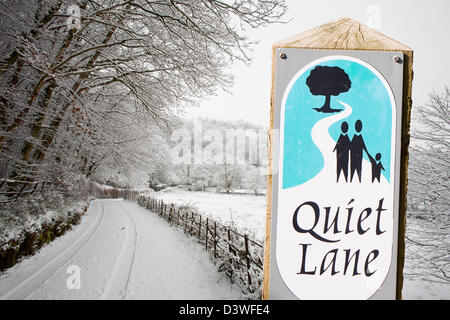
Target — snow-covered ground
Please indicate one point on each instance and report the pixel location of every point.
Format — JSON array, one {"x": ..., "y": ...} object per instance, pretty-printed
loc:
[
  {"x": 422, "y": 280},
  {"x": 119, "y": 251},
  {"x": 246, "y": 211},
  {"x": 122, "y": 251}
]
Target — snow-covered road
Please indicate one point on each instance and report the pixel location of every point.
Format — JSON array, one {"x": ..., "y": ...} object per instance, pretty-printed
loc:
[{"x": 119, "y": 251}]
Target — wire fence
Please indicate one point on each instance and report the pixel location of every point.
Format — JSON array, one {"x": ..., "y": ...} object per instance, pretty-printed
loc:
[
  {"x": 103, "y": 192},
  {"x": 237, "y": 255}
]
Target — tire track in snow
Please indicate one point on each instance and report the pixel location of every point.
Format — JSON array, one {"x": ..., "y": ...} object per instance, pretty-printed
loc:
[
  {"x": 35, "y": 280},
  {"x": 117, "y": 285}
]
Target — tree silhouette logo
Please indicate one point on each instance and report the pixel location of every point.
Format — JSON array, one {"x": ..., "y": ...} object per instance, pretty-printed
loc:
[{"x": 328, "y": 81}]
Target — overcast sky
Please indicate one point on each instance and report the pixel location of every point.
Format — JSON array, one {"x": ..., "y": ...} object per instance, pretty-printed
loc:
[{"x": 423, "y": 25}]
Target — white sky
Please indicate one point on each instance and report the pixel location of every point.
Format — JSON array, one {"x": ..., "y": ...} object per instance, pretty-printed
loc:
[{"x": 423, "y": 25}]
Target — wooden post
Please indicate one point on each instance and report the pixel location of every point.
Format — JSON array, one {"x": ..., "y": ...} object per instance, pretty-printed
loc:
[
  {"x": 215, "y": 239},
  {"x": 192, "y": 223},
  {"x": 230, "y": 249},
  {"x": 247, "y": 257},
  {"x": 346, "y": 36},
  {"x": 199, "y": 226},
  {"x": 206, "y": 234}
]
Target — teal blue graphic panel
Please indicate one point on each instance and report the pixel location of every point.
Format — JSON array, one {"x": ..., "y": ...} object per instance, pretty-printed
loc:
[{"x": 370, "y": 103}]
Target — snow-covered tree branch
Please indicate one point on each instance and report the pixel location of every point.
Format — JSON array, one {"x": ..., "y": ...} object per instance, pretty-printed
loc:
[{"x": 73, "y": 85}]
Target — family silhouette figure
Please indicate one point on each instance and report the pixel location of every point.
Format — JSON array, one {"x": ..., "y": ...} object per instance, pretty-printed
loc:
[{"x": 353, "y": 150}]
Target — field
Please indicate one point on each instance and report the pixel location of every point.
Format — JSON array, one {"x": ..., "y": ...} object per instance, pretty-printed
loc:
[{"x": 246, "y": 211}]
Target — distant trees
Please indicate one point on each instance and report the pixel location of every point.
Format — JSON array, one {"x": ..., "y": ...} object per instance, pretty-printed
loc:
[
  {"x": 429, "y": 168},
  {"x": 328, "y": 81},
  {"x": 233, "y": 156},
  {"x": 429, "y": 189},
  {"x": 82, "y": 91}
]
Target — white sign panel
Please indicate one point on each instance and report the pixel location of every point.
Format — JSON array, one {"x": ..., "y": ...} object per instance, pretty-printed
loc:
[{"x": 335, "y": 190}]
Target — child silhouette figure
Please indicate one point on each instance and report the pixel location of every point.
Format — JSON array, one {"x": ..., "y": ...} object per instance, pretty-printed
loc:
[{"x": 377, "y": 166}]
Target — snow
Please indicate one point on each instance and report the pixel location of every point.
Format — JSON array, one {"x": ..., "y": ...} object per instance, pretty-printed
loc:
[
  {"x": 18, "y": 217},
  {"x": 123, "y": 252},
  {"x": 249, "y": 213},
  {"x": 246, "y": 211}
]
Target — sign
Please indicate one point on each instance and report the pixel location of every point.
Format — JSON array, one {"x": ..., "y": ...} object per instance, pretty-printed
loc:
[
  {"x": 336, "y": 174},
  {"x": 338, "y": 151}
]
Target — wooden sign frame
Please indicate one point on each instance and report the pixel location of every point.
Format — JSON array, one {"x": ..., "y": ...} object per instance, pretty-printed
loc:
[{"x": 347, "y": 34}]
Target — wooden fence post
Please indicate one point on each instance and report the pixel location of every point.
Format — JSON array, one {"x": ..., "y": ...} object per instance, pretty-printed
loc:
[
  {"x": 206, "y": 235},
  {"x": 192, "y": 223},
  {"x": 229, "y": 241},
  {"x": 247, "y": 256},
  {"x": 199, "y": 226},
  {"x": 215, "y": 239}
]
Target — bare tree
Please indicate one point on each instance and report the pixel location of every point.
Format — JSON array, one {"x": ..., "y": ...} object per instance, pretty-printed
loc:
[
  {"x": 428, "y": 186},
  {"x": 427, "y": 236},
  {"x": 129, "y": 63}
]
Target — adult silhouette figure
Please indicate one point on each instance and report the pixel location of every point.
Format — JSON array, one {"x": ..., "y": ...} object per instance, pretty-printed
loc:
[
  {"x": 342, "y": 149},
  {"x": 357, "y": 146}
]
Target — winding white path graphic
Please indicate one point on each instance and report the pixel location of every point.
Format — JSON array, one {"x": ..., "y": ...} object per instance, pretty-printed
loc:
[{"x": 324, "y": 141}]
